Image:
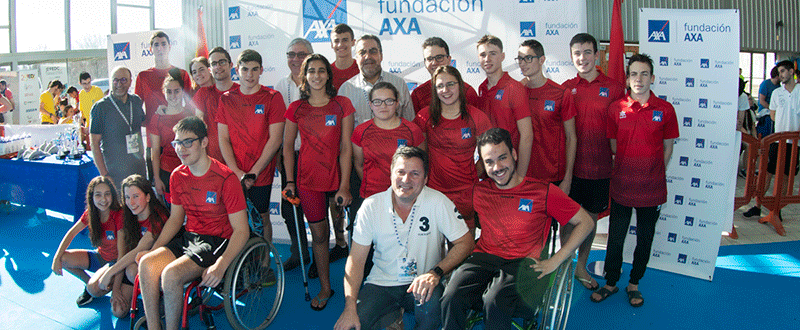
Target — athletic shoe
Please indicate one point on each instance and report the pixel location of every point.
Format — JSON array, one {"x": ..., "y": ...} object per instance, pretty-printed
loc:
[
  {"x": 753, "y": 211},
  {"x": 338, "y": 252},
  {"x": 84, "y": 298}
]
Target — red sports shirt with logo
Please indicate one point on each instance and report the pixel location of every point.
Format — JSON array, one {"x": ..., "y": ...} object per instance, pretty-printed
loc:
[
  {"x": 378, "y": 146},
  {"x": 108, "y": 244},
  {"x": 150, "y": 86},
  {"x": 548, "y": 114},
  {"x": 340, "y": 76},
  {"x": 207, "y": 100},
  {"x": 421, "y": 96},
  {"x": 505, "y": 104}
]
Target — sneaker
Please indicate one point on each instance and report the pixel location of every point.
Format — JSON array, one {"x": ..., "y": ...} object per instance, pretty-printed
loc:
[
  {"x": 338, "y": 252},
  {"x": 753, "y": 211},
  {"x": 312, "y": 271},
  {"x": 84, "y": 298}
]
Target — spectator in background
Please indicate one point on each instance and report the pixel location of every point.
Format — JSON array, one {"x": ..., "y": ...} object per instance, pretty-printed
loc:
[
  {"x": 765, "y": 126},
  {"x": 201, "y": 74},
  {"x": 345, "y": 66},
  {"x": 87, "y": 97},
  {"x": 72, "y": 96},
  {"x": 69, "y": 113},
  {"x": 436, "y": 53},
  {"x": 288, "y": 86},
  {"x": 206, "y": 99},
  {"x": 48, "y": 101},
  {"x": 5, "y": 93}
]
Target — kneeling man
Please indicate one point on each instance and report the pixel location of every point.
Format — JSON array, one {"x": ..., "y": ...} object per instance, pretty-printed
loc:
[
  {"x": 407, "y": 224},
  {"x": 507, "y": 270}
]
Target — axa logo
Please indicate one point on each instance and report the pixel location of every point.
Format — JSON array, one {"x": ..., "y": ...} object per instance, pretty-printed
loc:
[
  {"x": 672, "y": 237},
  {"x": 657, "y": 31},
  {"x": 704, "y": 63},
  {"x": 684, "y": 161},
  {"x": 235, "y": 42},
  {"x": 234, "y": 13},
  {"x": 274, "y": 208},
  {"x": 687, "y": 121},
  {"x": 703, "y": 104},
  {"x": 681, "y": 258},
  {"x": 603, "y": 92},
  {"x": 526, "y": 1},
  {"x": 695, "y": 182},
  {"x": 549, "y": 105},
  {"x": 211, "y": 197},
  {"x": 525, "y": 205},
  {"x": 700, "y": 143},
  {"x": 664, "y": 61},
  {"x": 663, "y": 97},
  {"x": 466, "y": 133},
  {"x": 689, "y": 221},
  {"x": 689, "y": 82},
  {"x": 234, "y": 74},
  {"x": 259, "y": 109},
  {"x": 632, "y": 230},
  {"x": 122, "y": 51},
  {"x": 658, "y": 116},
  {"x": 320, "y": 17},
  {"x": 402, "y": 143},
  {"x": 527, "y": 29},
  {"x": 499, "y": 95},
  {"x": 330, "y": 120},
  {"x": 678, "y": 200},
  {"x": 109, "y": 235}
]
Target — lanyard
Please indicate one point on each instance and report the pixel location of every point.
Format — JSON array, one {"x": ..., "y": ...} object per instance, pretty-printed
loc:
[
  {"x": 410, "y": 227},
  {"x": 130, "y": 104}
]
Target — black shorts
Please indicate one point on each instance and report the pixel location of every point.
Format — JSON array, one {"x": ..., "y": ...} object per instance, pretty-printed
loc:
[
  {"x": 202, "y": 249},
  {"x": 773, "y": 159},
  {"x": 592, "y": 195},
  {"x": 164, "y": 176},
  {"x": 259, "y": 196}
]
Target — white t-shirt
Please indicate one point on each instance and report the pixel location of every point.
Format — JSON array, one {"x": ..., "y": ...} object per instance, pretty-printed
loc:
[
  {"x": 433, "y": 217},
  {"x": 357, "y": 90},
  {"x": 787, "y": 109},
  {"x": 744, "y": 102}
]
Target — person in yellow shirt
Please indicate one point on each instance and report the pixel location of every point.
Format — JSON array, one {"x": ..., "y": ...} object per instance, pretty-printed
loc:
[
  {"x": 88, "y": 96},
  {"x": 48, "y": 101}
]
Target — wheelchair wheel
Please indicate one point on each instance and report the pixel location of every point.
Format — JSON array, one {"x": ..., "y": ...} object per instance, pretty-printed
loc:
[
  {"x": 141, "y": 323},
  {"x": 253, "y": 289},
  {"x": 558, "y": 298}
]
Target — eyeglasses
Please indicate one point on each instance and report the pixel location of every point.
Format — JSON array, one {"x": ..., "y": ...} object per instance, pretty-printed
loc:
[
  {"x": 222, "y": 61},
  {"x": 437, "y": 58},
  {"x": 526, "y": 58},
  {"x": 446, "y": 85},
  {"x": 378, "y": 102},
  {"x": 291, "y": 55},
  {"x": 120, "y": 80},
  {"x": 371, "y": 51},
  {"x": 184, "y": 143}
]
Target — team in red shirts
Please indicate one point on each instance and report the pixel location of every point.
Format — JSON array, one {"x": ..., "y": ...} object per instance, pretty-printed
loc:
[
  {"x": 436, "y": 53},
  {"x": 206, "y": 99}
]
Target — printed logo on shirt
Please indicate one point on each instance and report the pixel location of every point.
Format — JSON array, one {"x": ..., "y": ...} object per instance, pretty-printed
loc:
[
  {"x": 664, "y": 61},
  {"x": 603, "y": 92},
  {"x": 233, "y": 13},
  {"x": 678, "y": 200},
  {"x": 574, "y": 91},
  {"x": 681, "y": 258},
  {"x": 687, "y": 121},
  {"x": 402, "y": 143},
  {"x": 700, "y": 143},
  {"x": 689, "y": 82},
  {"x": 499, "y": 95},
  {"x": 704, "y": 63},
  {"x": 703, "y": 104},
  {"x": 259, "y": 109},
  {"x": 622, "y": 114},
  {"x": 211, "y": 197},
  {"x": 689, "y": 221},
  {"x": 672, "y": 237},
  {"x": 527, "y": 29},
  {"x": 684, "y": 161},
  {"x": 657, "y": 116},
  {"x": 122, "y": 51},
  {"x": 695, "y": 182},
  {"x": 235, "y": 42},
  {"x": 549, "y": 105},
  {"x": 632, "y": 230},
  {"x": 466, "y": 133},
  {"x": 274, "y": 208},
  {"x": 657, "y": 31},
  {"x": 144, "y": 230},
  {"x": 109, "y": 235},
  {"x": 330, "y": 120},
  {"x": 525, "y": 205}
]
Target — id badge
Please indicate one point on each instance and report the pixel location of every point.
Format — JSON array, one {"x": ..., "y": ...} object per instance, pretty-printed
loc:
[
  {"x": 132, "y": 141},
  {"x": 408, "y": 269}
]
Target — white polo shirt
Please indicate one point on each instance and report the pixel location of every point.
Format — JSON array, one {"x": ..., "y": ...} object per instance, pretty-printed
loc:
[
  {"x": 787, "y": 109},
  {"x": 433, "y": 217},
  {"x": 357, "y": 90}
]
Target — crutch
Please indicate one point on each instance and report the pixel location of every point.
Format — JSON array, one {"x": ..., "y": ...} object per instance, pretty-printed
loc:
[
  {"x": 349, "y": 227},
  {"x": 295, "y": 203}
]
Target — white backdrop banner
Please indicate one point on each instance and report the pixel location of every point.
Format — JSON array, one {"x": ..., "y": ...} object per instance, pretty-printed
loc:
[
  {"x": 696, "y": 55},
  {"x": 132, "y": 50},
  {"x": 27, "y": 100}
]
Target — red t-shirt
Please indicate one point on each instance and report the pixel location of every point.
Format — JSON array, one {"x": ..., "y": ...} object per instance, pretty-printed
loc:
[
  {"x": 108, "y": 245},
  {"x": 451, "y": 148},
  {"x": 340, "y": 76},
  {"x": 248, "y": 118},
  {"x": 161, "y": 125},
  {"x": 207, "y": 100},
  {"x": 505, "y": 103},
  {"x": 639, "y": 178},
  {"x": 378, "y": 146},
  {"x": 590, "y": 101},
  {"x": 150, "y": 86},
  {"x": 421, "y": 96},
  {"x": 146, "y": 225},
  {"x": 209, "y": 199},
  {"x": 320, "y": 130},
  {"x": 549, "y": 152},
  {"x": 516, "y": 221}
]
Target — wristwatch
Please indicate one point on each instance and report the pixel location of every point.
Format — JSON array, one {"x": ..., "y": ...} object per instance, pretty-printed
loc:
[{"x": 438, "y": 271}]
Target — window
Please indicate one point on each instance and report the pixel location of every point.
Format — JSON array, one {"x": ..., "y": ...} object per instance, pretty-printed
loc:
[
  {"x": 90, "y": 24},
  {"x": 40, "y": 25}
]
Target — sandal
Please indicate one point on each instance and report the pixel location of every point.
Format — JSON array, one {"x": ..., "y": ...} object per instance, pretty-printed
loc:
[
  {"x": 604, "y": 293},
  {"x": 324, "y": 302},
  {"x": 587, "y": 283},
  {"x": 635, "y": 294}
]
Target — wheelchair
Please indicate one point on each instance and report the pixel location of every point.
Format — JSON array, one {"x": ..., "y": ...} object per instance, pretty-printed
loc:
[
  {"x": 553, "y": 312},
  {"x": 250, "y": 294}
]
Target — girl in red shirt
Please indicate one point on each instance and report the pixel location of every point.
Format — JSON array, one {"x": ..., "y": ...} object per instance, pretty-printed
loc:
[
  {"x": 325, "y": 123},
  {"x": 103, "y": 216}
]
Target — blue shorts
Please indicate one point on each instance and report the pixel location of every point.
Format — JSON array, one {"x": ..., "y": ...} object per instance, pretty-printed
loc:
[{"x": 96, "y": 261}]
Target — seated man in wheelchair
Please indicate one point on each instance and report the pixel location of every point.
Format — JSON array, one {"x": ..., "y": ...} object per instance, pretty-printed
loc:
[
  {"x": 507, "y": 265},
  {"x": 407, "y": 224},
  {"x": 211, "y": 198}
]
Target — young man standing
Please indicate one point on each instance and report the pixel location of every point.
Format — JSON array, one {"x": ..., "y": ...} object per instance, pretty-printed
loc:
[
  {"x": 765, "y": 125},
  {"x": 642, "y": 129},
  {"x": 48, "y": 101},
  {"x": 344, "y": 67},
  {"x": 210, "y": 197},
  {"x": 207, "y": 98},
  {"x": 88, "y": 96},
  {"x": 504, "y": 99},
  {"x": 149, "y": 83},
  {"x": 590, "y": 93},
  {"x": 436, "y": 53},
  {"x": 553, "y": 154},
  {"x": 250, "y": 123}
]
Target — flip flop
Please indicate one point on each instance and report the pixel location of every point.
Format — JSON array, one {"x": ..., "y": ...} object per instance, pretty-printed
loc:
[
  {"x": 322, "y": 301},
  {"x": 588, "y": 282},
  {"x": 604, "y": 293},
  {"x": 635, "y": 294}
]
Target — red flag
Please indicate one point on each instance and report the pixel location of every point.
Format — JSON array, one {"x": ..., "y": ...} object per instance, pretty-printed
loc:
[
  {"x": 202, "y": 45},
  {"x": 616, "y": 49}
]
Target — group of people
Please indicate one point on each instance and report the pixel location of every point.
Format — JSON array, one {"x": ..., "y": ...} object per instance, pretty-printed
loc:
[
  {"x": 57, "y": 109},
  {"x": 352, "y": 134}
]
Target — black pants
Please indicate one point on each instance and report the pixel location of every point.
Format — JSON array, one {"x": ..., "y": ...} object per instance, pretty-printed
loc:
[
  {"x": 619, "y": 222},
  {"x": 288, "y": 216}
]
